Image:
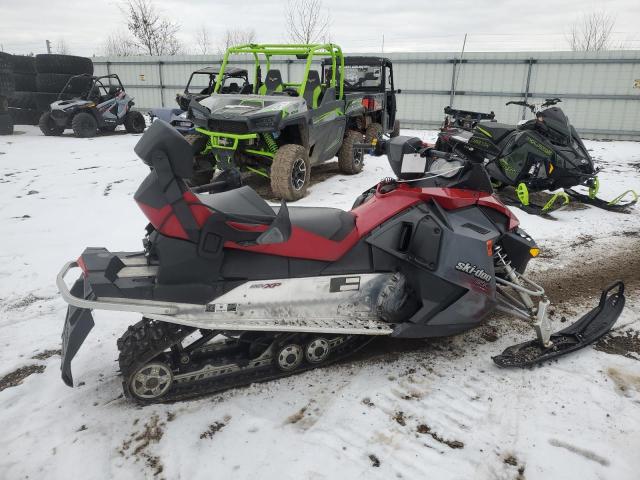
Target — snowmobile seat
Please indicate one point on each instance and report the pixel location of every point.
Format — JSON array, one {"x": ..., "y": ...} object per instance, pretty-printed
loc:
[
  {"x": 497, "y": 131},
  {"x": 331, "y": 223},
  {"x": 240, "y": 203},
  {"x": 272, "y": 83},
  {"x": 245, "y": 204}
]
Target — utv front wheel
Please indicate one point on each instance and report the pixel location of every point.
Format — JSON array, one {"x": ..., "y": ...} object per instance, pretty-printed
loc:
[
  {"x": 351, "y": 161},
  {"x": 290, "y": 172},
  {"x": 48, "y": 126},
  {"x": 84, "y": 125},
  {"x": 134, "y": 122}
]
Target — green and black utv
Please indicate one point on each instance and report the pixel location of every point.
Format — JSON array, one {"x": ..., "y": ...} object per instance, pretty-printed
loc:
[
  {"x": 282, "y": 128},
  {"x": 371, "y": 78}
]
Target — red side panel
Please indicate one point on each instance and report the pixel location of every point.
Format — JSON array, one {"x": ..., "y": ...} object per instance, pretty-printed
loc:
[
  {"x": 165, "y": 221},
  {"x": 304, "y": 244}
]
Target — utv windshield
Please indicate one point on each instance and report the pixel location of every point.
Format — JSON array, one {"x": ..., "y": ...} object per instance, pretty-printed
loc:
[{"x": 363, "y": 77}]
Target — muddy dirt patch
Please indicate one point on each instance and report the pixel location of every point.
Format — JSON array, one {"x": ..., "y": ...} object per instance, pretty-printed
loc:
[
  {"x": 16, "y": 377},
  {"x": 214, "y": 428},
  {"x": 626, "y": 344},
  {"x": 46, "y": 354},
  {"x": 138, "y": 443},
  {"x": 426, "y": 430},
  {"x": 587, "y": 279}
]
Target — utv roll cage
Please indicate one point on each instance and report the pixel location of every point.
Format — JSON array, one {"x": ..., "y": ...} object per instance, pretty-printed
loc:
[
  {"x": 262, "y": 53},
  {"x": 96, "y": 84},
  {"x": 213, "y": 73}
]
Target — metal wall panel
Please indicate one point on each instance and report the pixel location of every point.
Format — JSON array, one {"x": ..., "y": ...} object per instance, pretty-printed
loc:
[{"x": 597, "y": 88}]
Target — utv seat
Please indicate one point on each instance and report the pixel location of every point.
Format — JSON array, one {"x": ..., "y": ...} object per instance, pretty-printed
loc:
[
  {"x": 272, "y": 83},
  {"x": 312, "y": 89},
  {"x": 496, "y": 130}
]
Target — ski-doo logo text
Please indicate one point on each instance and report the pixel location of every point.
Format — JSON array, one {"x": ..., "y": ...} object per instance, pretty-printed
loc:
[
  {"x": 473, "y": 270},
  {"x": 266, "y": 285}
]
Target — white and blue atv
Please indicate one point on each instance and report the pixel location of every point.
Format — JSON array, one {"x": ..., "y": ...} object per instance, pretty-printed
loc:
[{"x": 100, "y": 108}]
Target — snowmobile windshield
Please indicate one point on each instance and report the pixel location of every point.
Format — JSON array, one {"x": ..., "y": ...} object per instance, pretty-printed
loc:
[{"x": 555, "y": 125}]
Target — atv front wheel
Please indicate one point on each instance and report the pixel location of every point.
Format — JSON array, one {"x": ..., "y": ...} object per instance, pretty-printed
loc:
[
  {"x": 84, "y": 125},
  {"x": 351, "y": 161},
  {"x": 134, "y": 122},
  {"x": 290, "y": 172},
  {"x": 48, "y": 126}
]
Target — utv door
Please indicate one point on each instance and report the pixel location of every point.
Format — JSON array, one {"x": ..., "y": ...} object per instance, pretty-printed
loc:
[{"x": 327, "y": 128}]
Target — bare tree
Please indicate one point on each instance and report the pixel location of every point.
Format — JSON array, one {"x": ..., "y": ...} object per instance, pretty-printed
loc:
[
  {"x": 306, "y": 22},
  {"x": 233, "y": 37},
  {"x": 152, "y": 34},
  {"x": 592, "y": 32},
  {"x": 119, "y": 44},
  {"x": 202, "y": 41},
  {"x": 61, "y": 47}
]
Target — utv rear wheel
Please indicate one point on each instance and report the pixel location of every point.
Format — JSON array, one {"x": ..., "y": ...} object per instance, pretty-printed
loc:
[
  {"x": 48, "y": 126},
  {"x": 373, "y": 131},
  {"x": 396, "y": 129},
  {"x": 84, "y": 125},
  {"x": 290, "y": 172},
  {"x": 351, "y": 161},
  {"x": 134, "y": 122}
]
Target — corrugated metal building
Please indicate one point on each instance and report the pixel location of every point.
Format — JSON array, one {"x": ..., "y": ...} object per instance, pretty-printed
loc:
[{"x": 600, "y": 90}]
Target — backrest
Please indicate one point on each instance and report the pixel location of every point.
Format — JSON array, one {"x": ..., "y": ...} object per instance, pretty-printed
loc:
[
  {"x": 312, "y": 89},
  {"x": 272, "y": 83},
  {"x": 163, "y": 196}
]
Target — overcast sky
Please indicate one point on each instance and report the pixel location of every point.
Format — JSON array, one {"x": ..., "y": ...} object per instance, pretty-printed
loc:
[{"x": 358, "y": 26}]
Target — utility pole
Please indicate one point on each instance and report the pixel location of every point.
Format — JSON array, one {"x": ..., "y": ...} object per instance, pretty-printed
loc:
[
  {"x": 383, "y": 44},
  {"x": 48, "y": 46}
]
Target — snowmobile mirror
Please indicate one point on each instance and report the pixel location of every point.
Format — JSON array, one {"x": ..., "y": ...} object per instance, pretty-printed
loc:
[
  {"x": 162, "y": 137},
  {"x": 280, "y": 229}
]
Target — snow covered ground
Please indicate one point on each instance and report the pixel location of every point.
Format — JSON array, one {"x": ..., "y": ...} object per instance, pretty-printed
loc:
[{"x": 437, "y": 409}]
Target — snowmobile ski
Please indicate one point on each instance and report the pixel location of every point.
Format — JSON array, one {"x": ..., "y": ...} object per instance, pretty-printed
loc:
[
  {"x": 615, "y": 205},
  {"x": 590, "y": 328},
  {"x": 521, "y": 199}
]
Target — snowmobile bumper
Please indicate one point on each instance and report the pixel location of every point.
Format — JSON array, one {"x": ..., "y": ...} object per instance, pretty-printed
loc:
[{"x": 591, "y": 327}]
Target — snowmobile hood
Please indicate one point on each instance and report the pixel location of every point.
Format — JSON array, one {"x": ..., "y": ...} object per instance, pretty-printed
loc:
[{"x": 227, "y": 106}]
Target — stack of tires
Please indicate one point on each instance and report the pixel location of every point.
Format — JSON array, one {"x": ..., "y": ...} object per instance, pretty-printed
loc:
[
  {"x": 22, "y": 104},
  {"x": 40, "y": 80},
  {"x": 7, "y": 87}
]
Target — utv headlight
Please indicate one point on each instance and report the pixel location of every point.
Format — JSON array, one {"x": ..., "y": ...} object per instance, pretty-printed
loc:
[{"x": 265, "y": 122}]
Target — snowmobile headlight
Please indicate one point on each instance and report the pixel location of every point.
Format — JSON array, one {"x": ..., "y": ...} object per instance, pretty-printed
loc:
[{"x": 534, "y": 252}]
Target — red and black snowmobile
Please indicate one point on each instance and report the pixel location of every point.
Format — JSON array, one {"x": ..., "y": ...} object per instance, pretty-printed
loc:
[{"x": 234, "y": 291}]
